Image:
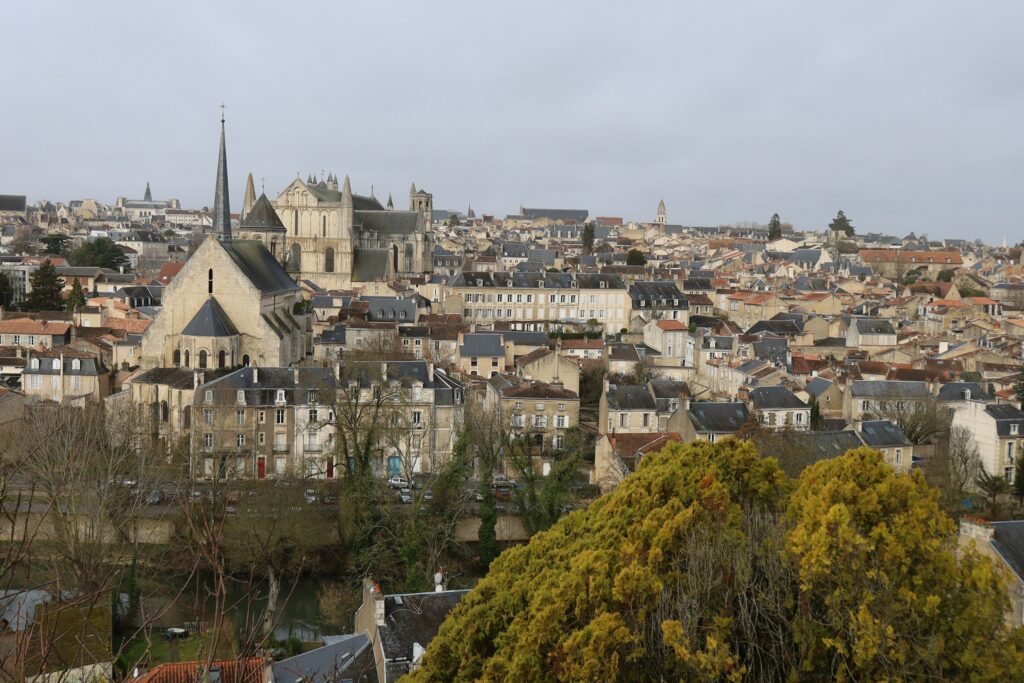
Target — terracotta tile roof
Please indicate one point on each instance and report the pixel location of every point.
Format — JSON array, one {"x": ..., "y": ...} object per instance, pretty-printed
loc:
[
  {"x": 231, "y": 671},
  {"x": 168, "y": 271},
  {"x": 26, "y": 326},
  {"x": 129, "y": 325},
  {"x": 869, "y": 256},
  {"x": 596, "y": 344},
  {"x": 671, "y": 325}
]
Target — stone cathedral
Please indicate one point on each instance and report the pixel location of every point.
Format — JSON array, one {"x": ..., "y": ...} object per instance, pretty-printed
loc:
[{"x": 335, "y": 237}]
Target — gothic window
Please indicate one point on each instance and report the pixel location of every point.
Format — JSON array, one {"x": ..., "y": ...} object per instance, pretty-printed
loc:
[
  {"x": 177, "y": 357},
  {"x": 245, "y": 360},
  {"x": 163, "y": 411},
  {"x": 394, "y": 257},
  {"x": 295, "y": 258},
  {"x": 329, "y": 260},
  {"x": 222, "y": 358},
  {"x": 209, "y": 281},
  {"x": 202, "y": 358},
  {"x": 188, "y": 358},
  {"x": 324, "y": 228},
  {"x": 296, "y": 222}
]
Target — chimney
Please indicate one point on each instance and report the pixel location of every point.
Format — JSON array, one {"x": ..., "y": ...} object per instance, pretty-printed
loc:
[{"x": 255, "y": 375}]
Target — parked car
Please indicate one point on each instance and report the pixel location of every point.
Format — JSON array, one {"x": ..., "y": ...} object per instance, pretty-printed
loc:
[
  {"x": 155, "y": 497},
  {"x": 405, "y": 495},
  {"x": 500, "y": 481},
  {"x": 428, "y": 495},
  {"x": 311, "y": 496},
  {"x": 398, "y": 482}
]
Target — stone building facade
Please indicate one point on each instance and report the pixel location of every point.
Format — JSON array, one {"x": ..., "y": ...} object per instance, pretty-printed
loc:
[{"x": 334, "y": 237}]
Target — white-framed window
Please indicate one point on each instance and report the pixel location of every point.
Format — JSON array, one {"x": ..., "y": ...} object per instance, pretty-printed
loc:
[
  {"x": 240, "y": 396},
  {"x": 561, "y": 406},
  {"x": 518, "y": 405},
  {"x": 538, "y": 406},
  {"x": 280, "y": 396},
  {"x": 558, "y": 441},
  {"x": 208, "y": 441},
  {"x": 279, "y": 442},
  {"x": 417, "y": 418},
  {"x": 899, "y": 456},
  {"x": 207, "y": 417},
  {"x": 239, "y": 417},
  {"x": 279, "y": 416},
  {"x": 261, "y": 438},
  {"x": 239, "y": 440},
  {"x": 540, "y": 421},
  {"x": 1014, "y": 428},
  {"x": 35, "y": 363},
  {"x": 209, "y": 396},
  {"x": 1008, "y": 473},
  {"x": 75, "y": 364},
  {"x": 314, "y": 415},
  {"x": 262, "y": 416},
  {"x": 313, "y": 441},
  {"x": 623, "y": 419},
  {"x": 562, "y": 421}
]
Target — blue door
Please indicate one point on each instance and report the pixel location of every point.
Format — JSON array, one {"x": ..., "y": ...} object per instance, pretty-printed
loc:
[{"x": 394, "y": 466}]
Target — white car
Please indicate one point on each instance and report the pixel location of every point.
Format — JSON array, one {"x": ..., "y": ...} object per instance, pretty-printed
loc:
[{"x": 398, "y": 482}]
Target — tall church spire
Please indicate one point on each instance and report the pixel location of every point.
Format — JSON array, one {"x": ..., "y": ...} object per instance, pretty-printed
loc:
[
  {"x": 149, "y": 195},
  {"x": 221, "y": 201},
  {"x": 346, "y": 194},
  {"x": 249, "y": 199}
]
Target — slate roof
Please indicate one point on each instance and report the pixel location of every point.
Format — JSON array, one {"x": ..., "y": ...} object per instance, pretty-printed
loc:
[
  {"x": 778, "y": 327},
  {"x": 630, "y": 397},
  {"x": 775, "y": 398},
  {"x": 889, "y": 390},
  {"x": 262, "y": 216},
  {"x": 359, "y": 202},
  {"x": 954, "y": 391},
  {"x": 1008, "y": 541},
  {"x": 388, "y": 222},
  {"x": 1005, "y": 415},
  {"x": 347, "y": 657},
  {"x": 872, "y": 326},
  {"x": 526, "y": 337},
  {"x": 412, "y": 618},
  {"x": 385, "y": 308},
  {"x": 816, "y": 386},
  {"x": 12, "y": 202},
  {"x": 882, "y": 434},
  {"x": 259, "y": 265},
  {"x": 816, "y": 446},
  {"x": 718, "y": 418},
  {"x": 210, "y": 321},
  {"x": 566, "y": 215},
  {"x": 482, "y": 344},
  {"x": 369, "y": 264}
]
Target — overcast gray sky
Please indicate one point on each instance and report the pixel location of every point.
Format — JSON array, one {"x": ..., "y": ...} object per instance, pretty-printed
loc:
[{"x": 907, "y": 115}]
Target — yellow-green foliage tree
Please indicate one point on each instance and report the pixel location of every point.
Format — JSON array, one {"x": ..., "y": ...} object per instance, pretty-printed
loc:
[{"x": 708, "y": 564}]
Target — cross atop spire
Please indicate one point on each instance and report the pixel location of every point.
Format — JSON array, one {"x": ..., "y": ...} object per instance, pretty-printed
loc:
[{"x": 221, "y": 200}]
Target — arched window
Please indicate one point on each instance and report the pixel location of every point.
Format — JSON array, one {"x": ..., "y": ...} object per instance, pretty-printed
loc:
[
  {"x": 329, "y": 260},
  {"x": 394, "y": 257},
  {"x": 209, "y": 281},
  {"x": 325, "y": 225},
  {"x": 202, "y": 358},
  {"x": 177, "y": 357},
  {"x": 35, "y": 363},
  {"x": 296, "y": 221},
  {"x": 245, "y": 360},
  {"x": 295, "y": 258},
  {"x": 164, "y": 413},
  {"x": 273, "y": 248},
  {"x": 222, "y": 359},
  {"x": 76, "y": 364},
  {"x": 188, "y": 358}
]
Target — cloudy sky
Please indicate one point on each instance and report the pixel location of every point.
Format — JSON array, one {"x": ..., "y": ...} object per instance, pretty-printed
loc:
[{"x": 907, "y": 115}]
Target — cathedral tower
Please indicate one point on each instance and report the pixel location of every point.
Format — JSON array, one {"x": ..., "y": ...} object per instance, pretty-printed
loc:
[
  {"x": 660, "y": 220},
  {"x": 221, "y": 201}
]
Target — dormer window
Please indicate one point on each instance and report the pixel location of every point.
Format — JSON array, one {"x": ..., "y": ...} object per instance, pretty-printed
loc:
[
  {"x": 280, "y": 396},
  {"x": 240, "y": 397},
  {"x": 209, "y": 396},
  {"x": 35, "y": 363},
  {"x": 56, "y": 363},
  {"x": 1014, "y": 429},
  {"x": 76, "y": 364}
]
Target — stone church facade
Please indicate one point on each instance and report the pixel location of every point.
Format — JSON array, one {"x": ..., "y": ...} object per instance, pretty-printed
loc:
[{"x": 334, "y": 237}]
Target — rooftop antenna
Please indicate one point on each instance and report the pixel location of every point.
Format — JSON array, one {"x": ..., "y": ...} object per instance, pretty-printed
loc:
[{"x": 263, "y": 182}]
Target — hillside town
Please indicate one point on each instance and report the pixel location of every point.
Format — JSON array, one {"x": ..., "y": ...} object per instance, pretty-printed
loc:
[{"x": 321, "y": 332}]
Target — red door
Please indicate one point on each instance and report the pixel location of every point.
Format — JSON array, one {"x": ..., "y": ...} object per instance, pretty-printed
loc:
[
  {"x": 330, "y": 468},
  {"x": 261, "y": 468}
]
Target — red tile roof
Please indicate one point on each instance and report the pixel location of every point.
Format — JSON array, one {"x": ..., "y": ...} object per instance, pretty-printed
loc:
[
  {"x": 231, "y": 671},
  {"x": 671, "y": 325}
]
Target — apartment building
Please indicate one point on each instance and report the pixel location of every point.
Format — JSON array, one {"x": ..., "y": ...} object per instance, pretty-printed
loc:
[{"x": 537, "y": 301}]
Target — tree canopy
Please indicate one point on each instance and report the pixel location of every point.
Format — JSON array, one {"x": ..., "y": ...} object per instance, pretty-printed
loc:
[
  {"x": 710, "y": 564},
  {"x": 774, "y": 228},
  {"x": 101, "y": 252},
  {"x": 47, "y": 289},
  {"x": 841, "y": 224},
  {"x": 635, "y": 257}
]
